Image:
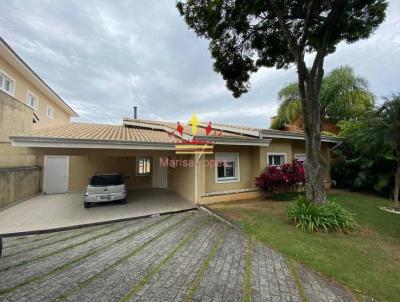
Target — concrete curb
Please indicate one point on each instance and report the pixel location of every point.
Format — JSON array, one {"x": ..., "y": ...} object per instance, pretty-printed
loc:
[
  {"x": 221, "y": 217},
  {"x": 45, "y": 231}
]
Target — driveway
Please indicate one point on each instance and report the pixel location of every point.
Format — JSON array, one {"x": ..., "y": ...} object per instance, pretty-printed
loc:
[
  {"x": 57, "y": 211},
  {"x": 189, "y": 256}
]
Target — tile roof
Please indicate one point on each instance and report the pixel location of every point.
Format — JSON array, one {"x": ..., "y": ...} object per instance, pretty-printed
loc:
[
  {"x": 187, "y": 128},
  {"x": 89, "y": 131}
]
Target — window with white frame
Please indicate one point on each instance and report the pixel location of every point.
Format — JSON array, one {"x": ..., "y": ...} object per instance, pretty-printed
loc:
[
  {"x": 7, "y": 84},
  {"x": 300, "y": 157},
  {"x": 143, "y": 165},
  {"x": 227, "y": 167},
  {"x": 32, "y": 100},
  {"x": 50, "y": 112},
  {"x": 276, "y": 159}
]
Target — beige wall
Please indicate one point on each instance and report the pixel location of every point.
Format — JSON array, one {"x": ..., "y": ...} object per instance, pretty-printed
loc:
[
  {"x": 248, "y": 159},
  {"x": 22, "y": 85},
  {"x": 18, "y": 183},
  {"x": 182, "y": 179},
  {"x": 276, "y": 146},
  {"x": 82, "y": 168},
  {"x": 85, "y": 162},
  {"x": 15, "y": 118},
  {"x": 253, "y": 161}
]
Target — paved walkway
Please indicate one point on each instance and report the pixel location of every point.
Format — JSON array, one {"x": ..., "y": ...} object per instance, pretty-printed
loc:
[
  {"x": 188, "y": 256},
  {"x": 64, "y": 210}
]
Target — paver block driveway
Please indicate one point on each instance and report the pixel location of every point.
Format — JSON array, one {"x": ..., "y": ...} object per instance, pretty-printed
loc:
[{"x": 189, "y": 256}]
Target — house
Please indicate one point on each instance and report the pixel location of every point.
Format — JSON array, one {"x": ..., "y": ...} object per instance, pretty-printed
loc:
[
  {"x": 296, "y": 125},
  {"x": 204, "y": 167},
  {"x": 41, "y": 150},
  {"x": 26, "y": 103}
]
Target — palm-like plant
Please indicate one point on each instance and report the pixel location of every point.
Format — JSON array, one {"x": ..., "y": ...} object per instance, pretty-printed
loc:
[
  {"x": 379, "y": 134},
  {"x": 344, "y": 96}
]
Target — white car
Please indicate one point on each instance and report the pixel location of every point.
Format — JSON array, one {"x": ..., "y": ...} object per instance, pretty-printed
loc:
[{"x": 105, "y": 187}]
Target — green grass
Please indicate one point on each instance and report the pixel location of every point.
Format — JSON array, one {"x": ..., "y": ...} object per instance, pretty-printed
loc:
[{"x": 367, "y": 261}]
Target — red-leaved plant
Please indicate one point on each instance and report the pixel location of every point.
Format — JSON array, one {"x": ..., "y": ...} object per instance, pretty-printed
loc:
[{"x": 283, "y": 178}]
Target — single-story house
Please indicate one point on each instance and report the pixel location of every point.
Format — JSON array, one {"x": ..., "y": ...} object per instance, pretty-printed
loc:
[{"x": 155, "y": 155}]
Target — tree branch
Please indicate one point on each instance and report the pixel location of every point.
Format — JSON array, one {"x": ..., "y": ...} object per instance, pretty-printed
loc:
[
  {"x": 310, "y": 13},
  {"x": 319, "y": 58}
]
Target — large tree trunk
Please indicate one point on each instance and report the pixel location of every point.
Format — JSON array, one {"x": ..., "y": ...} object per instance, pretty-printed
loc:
[
  {"x": 397, "y": 186},
  {"x": 309, "y": 87}
]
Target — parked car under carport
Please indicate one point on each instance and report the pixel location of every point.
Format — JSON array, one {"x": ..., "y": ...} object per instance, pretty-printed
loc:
[{"x": 105, "y": 187}]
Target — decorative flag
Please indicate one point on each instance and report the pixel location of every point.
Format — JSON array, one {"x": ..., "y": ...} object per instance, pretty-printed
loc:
[
  {"x": 194, "y": 122},
  {"x": 179, "y": 128},
  {"x": 208, "y": 128}
]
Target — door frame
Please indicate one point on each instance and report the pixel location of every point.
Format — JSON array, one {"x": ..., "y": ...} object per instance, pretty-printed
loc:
[{"x": 45, "y": 170}]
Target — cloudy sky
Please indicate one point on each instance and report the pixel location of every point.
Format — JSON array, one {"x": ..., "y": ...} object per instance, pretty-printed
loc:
[{"x": 104, "y": 57}]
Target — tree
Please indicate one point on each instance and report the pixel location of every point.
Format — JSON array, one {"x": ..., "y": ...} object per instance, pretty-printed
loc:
[
  {"x": 344, "y": 96},
  {"x": 378, "y": 134},
  {"x": 248, "y": 34}
]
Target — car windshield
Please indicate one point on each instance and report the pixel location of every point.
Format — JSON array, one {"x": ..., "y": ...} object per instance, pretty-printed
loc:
[{"x": 106, "y": 180}]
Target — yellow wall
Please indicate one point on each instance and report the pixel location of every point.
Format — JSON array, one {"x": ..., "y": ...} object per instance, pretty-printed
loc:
[
  {"x": 248, "y": 157},
  {"x": 182, "y": 179},
  {"x": 22, "y": 85},
  {"x": 277, "y": 145},
  {"x": 85, "y": 162},
  {"x": 82, "y": 168}
]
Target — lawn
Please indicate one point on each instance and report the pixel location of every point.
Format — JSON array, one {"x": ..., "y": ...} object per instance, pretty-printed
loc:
[{"x": 366, "y": 261}]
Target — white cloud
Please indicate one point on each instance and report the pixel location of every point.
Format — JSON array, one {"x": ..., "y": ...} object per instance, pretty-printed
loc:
[{"x": 103, "y": 58}]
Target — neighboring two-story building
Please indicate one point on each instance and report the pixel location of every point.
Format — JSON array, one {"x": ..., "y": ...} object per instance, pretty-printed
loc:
[{"x": 26, "y": 103}]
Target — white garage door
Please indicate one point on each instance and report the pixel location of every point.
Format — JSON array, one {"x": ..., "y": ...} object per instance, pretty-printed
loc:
[{"x": 55, "y": 178}]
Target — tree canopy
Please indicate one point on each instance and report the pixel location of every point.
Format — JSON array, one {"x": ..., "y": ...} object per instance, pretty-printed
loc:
[
  {"x": 378, "y": 134},
  {"x": 246, "y": 35},
  {"x": 344, "y": 96}
]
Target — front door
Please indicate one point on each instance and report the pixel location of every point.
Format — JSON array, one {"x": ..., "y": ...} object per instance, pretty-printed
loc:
[
  {"x": 160, "y": 174},
  {"x": 55, "y": 176}
]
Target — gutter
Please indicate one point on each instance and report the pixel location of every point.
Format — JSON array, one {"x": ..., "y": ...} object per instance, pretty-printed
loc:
[{"x": 298, "y": 136}]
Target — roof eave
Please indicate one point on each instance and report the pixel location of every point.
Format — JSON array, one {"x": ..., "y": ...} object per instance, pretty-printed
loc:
[{"x": 42, "y": 142}]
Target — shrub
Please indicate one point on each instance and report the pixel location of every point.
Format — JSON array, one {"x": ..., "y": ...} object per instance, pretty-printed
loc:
[
  {"x": 283, "y": 178},
  {"x": 328, "y": 217}
]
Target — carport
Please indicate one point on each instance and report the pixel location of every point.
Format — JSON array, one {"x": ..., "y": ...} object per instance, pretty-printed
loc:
[
  {"x": 60, "y": 211},
  {"x": 71, "y": 154}
]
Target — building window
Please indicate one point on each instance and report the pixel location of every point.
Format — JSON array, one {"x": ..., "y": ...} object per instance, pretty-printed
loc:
[
  {"x": 32, "y": 100},
  {"x": 300, "y": 157},
  {"x": 276, "y": 159},
  {"x": 50, "y": 112},
  {"x": 143, "y": 166},
  {"x": 7, "y": 84},
  {"x": 227, "y": 167}
]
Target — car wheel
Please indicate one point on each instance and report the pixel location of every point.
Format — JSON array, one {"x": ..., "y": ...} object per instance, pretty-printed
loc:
[
  {"x": 87, "y": 205},
  {"x": 123, "y": 201}
]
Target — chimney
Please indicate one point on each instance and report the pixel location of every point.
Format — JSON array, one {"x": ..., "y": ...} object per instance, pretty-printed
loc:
[{"x": 135, "y": 112}]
